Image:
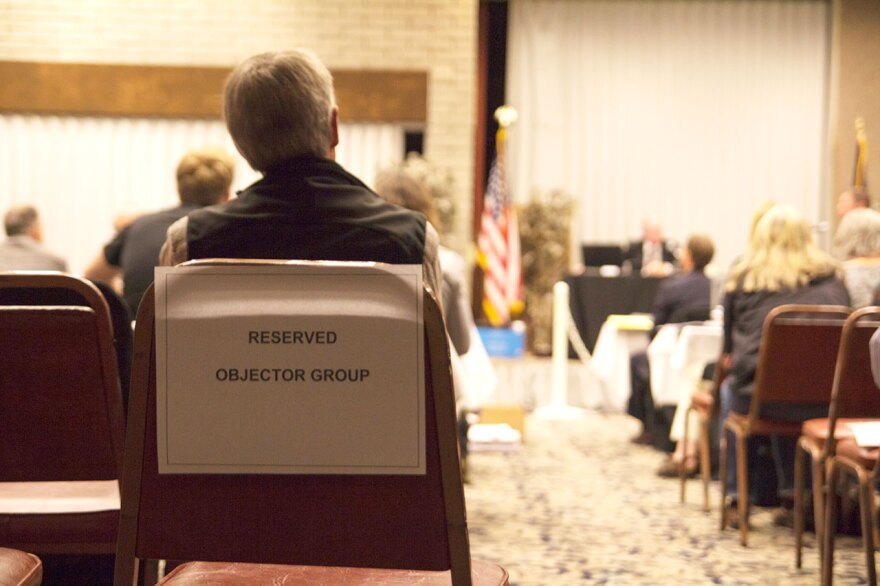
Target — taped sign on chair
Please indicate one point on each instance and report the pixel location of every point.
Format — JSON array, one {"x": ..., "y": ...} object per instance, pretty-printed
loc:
[{"x": 312, "y": 368}]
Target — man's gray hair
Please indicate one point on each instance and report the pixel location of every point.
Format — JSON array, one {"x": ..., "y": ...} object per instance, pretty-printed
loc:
[
  {"x": 20, "y": 219},
  {"x": 858, "y": 235},
  {"x": 278, "y": 106}
]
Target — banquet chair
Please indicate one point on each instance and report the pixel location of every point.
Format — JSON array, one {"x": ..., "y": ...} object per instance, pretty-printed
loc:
[
  {"x": 796, "y": 363},
  {"x": 848, "y": 457},
  {"x": 705, "y": 404},
  {"x": 854, "y": 397},
  {"x": 18, "y": 568},
  {"x": 305, "y": 528},
  {"x": 120, "y": 317},
  {"x": 61, "y": 422}
]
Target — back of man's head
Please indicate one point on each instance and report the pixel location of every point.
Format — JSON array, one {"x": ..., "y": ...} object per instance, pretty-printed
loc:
[
  {"x": 280, "y": 105},
  {"x": 861, "y": 197},
  {"x": 701, "y": 250},
  {"x": 205, "y": 176},
  {"x": 22, "y": 219}
]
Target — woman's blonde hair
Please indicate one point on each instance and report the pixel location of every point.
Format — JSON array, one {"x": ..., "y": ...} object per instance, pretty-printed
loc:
[
  {"x": 781, "y": 255},
  {"x": 204, "y": 176}
]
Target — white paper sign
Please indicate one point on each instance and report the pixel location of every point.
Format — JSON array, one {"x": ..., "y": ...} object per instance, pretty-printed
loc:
[{"x": 294, "y": 369}]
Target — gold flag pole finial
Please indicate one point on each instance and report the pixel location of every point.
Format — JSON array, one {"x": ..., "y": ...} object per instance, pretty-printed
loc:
[{"x": 506, "y": 116}]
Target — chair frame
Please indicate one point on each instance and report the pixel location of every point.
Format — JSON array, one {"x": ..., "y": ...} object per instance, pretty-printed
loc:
[
  {"x": 744, "y": 426},
  {"x": 437, "y": 354},
  {"x": 838, "y": 466},
  {"x": 705, "y": 416},
  {"x": 94, "y": 300},
  {"x": 852, "y": 374}
]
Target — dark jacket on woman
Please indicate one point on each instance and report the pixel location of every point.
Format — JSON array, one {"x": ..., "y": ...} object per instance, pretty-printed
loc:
[{"x": 744, "y": 315}]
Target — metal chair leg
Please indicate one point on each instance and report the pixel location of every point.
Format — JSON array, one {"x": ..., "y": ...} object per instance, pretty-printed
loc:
[{"x": 705, "y": 461}]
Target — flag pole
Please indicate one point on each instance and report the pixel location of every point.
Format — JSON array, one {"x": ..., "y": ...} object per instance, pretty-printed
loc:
[{"x": 860, "y": 180}]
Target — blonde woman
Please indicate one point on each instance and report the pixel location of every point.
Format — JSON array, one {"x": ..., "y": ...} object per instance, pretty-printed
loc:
[
  {"x": 857, "y": 242},
  {"x": 782, "y": 265}
]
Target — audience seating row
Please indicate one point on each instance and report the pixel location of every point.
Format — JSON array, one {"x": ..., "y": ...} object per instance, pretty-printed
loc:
[
  {"x": 809, "y": 355},
  {"x": 60, "y": 362}
]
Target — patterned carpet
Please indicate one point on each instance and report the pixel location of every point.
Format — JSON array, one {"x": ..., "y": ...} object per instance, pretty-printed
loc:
[{"x": 579, "y": 504}]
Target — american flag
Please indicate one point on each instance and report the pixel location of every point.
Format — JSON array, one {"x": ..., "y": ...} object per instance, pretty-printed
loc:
[{"x": 499, "y": 253}]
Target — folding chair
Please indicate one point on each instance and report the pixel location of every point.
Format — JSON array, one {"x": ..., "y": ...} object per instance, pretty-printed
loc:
[
  {"x": 61, "y": 422},
  {"x": 18, "y": 568},
  {"x": 796, "y": 363},
  {"x": 854, "y": 397},
  {"x": 705, "y": 405},
  {"x": 332, "y": 529},
  {"x": 857, "y": 396}
]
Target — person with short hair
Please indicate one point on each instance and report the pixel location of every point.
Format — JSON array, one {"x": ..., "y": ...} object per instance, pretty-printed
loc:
[
  {"x": 683, "y": 297},
  {"x": 281, "y": 112},
  {"x": 23, "y": 249},
  {"x": 652, "y": 255},
  {"x": 857, "y": 243},
  {"x": 204, "y": 178},
  {"x": 853, "y": 199}
]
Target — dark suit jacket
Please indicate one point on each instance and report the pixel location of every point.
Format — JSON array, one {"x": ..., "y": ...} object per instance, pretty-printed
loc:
[
  {"x": 685, "y": 291},
  {"x": 633, "y": 254}
]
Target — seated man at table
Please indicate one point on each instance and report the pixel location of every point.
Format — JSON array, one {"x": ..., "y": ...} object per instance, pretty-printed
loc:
[
  {"x": 684, "y": 297},
  {"x": 281, "y": 112},
  {"x": 652, "y": 256}
]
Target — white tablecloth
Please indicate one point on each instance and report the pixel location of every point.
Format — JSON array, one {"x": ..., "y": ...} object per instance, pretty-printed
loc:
[
  {"x": 679, "y": 371},
  {"x": 610, "y": 362}
]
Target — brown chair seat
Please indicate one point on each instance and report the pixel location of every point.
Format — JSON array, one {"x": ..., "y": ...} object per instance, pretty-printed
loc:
[
  {"x": 817, "y": 429},
  {"x": 864, "y": 457},
  {"x": 18, "y": 568},
  {"x": 61, "y": 425},
  {"x": 229, "y": 574}
]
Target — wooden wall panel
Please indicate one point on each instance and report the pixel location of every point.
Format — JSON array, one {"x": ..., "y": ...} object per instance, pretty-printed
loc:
[{"x": 189, "y": 92}]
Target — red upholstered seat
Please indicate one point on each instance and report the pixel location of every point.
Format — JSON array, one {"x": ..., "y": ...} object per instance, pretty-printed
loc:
[
  {"x": 61, "y": 424},
  {"x": 229, "y": 574},
  {"x": 18, "y": 568}
]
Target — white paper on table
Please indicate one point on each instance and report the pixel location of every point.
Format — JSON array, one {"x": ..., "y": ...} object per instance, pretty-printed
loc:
[{"x": 866, "y": 433}]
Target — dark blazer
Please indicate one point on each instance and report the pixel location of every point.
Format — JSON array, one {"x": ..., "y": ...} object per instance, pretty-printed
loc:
[
  {"x": 633, "y": 254},
  {"x": 689, "y": 290}
]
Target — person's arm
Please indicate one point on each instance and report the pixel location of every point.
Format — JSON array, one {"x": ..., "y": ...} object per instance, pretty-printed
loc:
[
  {"x": 174, "y": 251},
  {"x": 101, "y": 270}
]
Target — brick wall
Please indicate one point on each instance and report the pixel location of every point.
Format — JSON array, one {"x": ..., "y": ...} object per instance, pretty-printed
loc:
[{"x": 434, "y": 35}]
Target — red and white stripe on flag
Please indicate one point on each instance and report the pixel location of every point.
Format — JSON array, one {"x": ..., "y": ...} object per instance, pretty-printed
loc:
[{"x": 499, "y": 252}]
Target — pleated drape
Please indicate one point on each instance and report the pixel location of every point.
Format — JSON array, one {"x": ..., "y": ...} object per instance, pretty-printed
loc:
[
  {"x": 689, "y": 112},
  {"x": 83, "y": 171}
]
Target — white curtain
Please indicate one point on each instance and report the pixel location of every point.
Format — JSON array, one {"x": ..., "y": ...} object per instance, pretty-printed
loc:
[
  {"x": 82, "y": 172},
  {"x": 688, "y": 112}
]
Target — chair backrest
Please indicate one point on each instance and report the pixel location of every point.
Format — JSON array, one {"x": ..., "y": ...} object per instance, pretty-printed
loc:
[
  {"x": 855, "y": 394},
  {"x": 798, "y": 355},
  {"x": 387, "y": 521},
  {"x": 119, "y": 317},
  {"x": 60, "y": 404}
]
